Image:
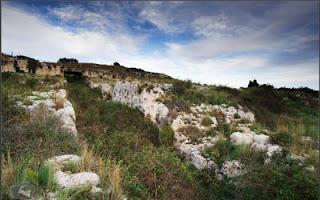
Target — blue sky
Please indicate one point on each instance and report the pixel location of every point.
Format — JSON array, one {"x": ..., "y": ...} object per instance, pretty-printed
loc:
[{"x": 226, "y": 43}]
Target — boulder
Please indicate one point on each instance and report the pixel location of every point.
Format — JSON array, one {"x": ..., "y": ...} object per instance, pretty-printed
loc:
[
  {"x": 241, "y": 138},
  {"x": 77, "y": 180},
  {"x": 261, "y": 138}
]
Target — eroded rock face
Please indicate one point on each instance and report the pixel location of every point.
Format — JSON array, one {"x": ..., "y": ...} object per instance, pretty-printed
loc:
[
  {"x": 194, "y": 152},
  {"x": 146, "y": 101},
  {"x": 65, "y": 111}
]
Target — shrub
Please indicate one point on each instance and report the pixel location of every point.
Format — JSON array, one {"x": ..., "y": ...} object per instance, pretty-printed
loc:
[
  {"x": 223, "y": 150},
  {"x": 167, "y": 135},
  {"x": 192, "y": 132},
  {"x": 32, "y": 82},
  {"x": 253, "y": 83},
  {"x": 283, "y": 138},
  {"x": 236, "y": 116},
  {"x": 180, "y": 87},
  {"x": 116, "y": 64},
  {"x": 206, "y": 121},
  {"x": 67, "y": 60}
]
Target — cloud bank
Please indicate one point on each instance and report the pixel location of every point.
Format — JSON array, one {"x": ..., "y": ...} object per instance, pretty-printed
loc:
[{"x": 225, "y": 43}]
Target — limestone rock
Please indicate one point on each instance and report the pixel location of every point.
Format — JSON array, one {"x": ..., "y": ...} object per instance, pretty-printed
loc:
[
  {"x": 232, "y": 168},
  {"x": 261, "y": 138},
  {"x": 146, "y": 101},
  {"x": 58, "y": 161},
  {"x": 241, "y": 138},
  {"x": 77, "y": 180}
]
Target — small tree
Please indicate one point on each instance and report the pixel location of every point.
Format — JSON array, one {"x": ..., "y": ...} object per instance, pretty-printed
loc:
[
  {"x": 253, "y": 83},
  {"x": 116, "y": 64},
  {"x": 67, "y": 60}
]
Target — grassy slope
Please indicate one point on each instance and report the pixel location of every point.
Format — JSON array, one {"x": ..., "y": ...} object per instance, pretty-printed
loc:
[{"x": 150, "y": 170}]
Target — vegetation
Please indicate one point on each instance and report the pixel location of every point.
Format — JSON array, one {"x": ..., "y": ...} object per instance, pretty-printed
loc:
[
  {"x": 206, "y": 121},
  {"x": 167, "y": 136},
  {"x": 67, "y": 60},
  {"x": 136, "y": 159}
]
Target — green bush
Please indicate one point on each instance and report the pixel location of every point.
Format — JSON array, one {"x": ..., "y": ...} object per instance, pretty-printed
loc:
[
  {"x": 180, "y": 87},
  {"x": 283, "y": 138},
  {"x": 32, "y": 82},
  {"x": 223, "y": 150},
  {"x": 167, "y": 135}
]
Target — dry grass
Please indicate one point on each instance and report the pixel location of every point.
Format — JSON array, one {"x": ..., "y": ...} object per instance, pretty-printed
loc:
[
  {"x": 114, "y": 181},
  {"x": 59, "y": 102},
  {"x": 294, "y": 130},
  {"x": 193, "y": 132},
  {"x": 90, "y": 161},
  {"x": 8, "y": 172}
]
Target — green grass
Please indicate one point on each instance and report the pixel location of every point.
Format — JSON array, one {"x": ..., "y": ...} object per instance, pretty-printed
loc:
[
  {"x": 149, "y": 165},
  {"x": 167, "y": 136}
]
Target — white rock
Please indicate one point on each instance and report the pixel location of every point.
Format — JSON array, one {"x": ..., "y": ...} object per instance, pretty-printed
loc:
[
  {"x": 273, "y": 149},
  {"x": 66, "y": 114},
  {"x": 77, "y": 180},
  {"x": 58, "y": 161},
  {"x": 95, "y": 190},
  {"x": 68, "y": 117},
  {"x": 146, "y": 101},
  {"x": 232, "y": 168},
  {"x": 259, "y": 146},
  {"x": 106, "y": 89},
  {"x": 241, "y": 138},
  {"x": 261, "y": 138}
]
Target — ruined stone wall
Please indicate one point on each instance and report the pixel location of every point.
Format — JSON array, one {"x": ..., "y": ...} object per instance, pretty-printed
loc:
[
  {"x": 23, "y": 65},
  {"x": 47, "y": 69}
]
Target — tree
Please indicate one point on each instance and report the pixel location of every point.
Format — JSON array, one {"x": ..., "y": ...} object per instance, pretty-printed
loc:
[
  {"x": 116, "y": 64},
  {"x": 253, "y": 83},
  {"x": 67, "y": 60}
]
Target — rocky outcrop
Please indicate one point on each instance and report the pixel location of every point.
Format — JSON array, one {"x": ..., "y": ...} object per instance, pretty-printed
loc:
[
  {"x": 259, "y": 142},
  {"x": 134, "y": 95},
  {"x": 194, "y": 151},
  {"x": 70, "y": 180},
  {"x": 57, "y": 103}
]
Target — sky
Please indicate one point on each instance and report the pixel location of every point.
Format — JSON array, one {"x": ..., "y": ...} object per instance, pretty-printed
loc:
[{"x": 222, "y": 43}]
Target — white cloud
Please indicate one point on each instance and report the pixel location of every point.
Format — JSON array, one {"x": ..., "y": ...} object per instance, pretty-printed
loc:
[
  {"x": 199, "y": 60},
  {"x": 35, "y": 37},
  {"x": 210, "y": 25},
  {"x": 160, "y": 15}
]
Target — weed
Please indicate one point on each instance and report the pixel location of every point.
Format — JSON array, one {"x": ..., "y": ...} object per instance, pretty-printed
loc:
[
  {"x": 192, "y": 132},
  {"x": 59, "y": 103},
  {"x": 167, "y": 136},
  {"x": 206, "y": 121},
  {"x": 223, "y": 150}
]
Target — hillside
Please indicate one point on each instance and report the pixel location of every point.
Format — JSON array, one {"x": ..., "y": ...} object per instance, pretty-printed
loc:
[{"x": 88, "y": 131}]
